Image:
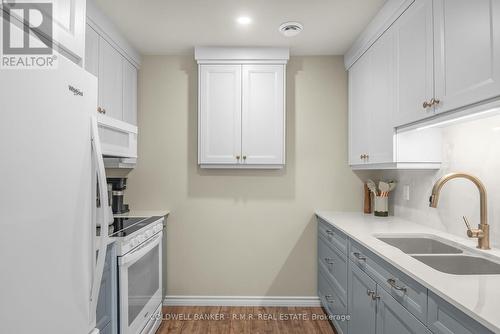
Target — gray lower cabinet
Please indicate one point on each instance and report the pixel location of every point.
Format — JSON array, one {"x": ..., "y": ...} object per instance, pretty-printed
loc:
[
  {"x": 393, "y": 318},
  {"x": 444, "y": 318},
  {"x": 360, "y": 304},
  {"x": 106, "y": 313},
  {"x": 332, "y": 283},
  {"x": 405, "y": 290},
  {"x": 378, "y": 298}
]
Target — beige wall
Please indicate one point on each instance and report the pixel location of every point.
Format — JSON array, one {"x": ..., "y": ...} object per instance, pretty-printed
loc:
[{"x": 235, "y": 232}]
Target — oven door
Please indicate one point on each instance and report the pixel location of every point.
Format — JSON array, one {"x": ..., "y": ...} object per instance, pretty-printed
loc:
[{"x": 140, "y": 284}]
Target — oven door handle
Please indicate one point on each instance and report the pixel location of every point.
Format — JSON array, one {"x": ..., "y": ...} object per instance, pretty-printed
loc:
[{"x": 140, "y": 251}]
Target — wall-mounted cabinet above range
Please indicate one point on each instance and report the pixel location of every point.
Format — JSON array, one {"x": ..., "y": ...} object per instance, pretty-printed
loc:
[
  {"x": 419, "y": 61},
  {"x": 241, "y": 111}
]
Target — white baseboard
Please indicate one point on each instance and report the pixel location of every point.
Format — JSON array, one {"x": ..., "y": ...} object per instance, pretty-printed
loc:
[{"x": 277, "y": 301}]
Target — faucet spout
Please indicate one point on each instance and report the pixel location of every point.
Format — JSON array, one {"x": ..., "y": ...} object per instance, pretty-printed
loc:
[{"x": 483, "y": 239}]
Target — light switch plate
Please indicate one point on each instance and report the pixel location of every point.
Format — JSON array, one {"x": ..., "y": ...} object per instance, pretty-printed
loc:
[{"x": 406, "y": 191}]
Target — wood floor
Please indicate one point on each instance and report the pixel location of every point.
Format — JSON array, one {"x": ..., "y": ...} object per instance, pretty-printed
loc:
[{"x": 244, "y": 320}]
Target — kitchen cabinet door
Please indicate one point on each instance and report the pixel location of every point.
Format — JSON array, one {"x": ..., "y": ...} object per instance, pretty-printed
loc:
[
  {"x": 414, "y": 63},
  {"x": 361, "y": 306},
  {"x": 110, "y": 80},
  {"x": 219, "y": 114},
  {"x": 380, "y": 111},
  {"x": 467, "y": 52},
  {"x": 263, "y": 114},
  {"x": 393, "y": 318},
  {"x": 91, "y": 51},
  {"x": 359, "y": 106},
  {"x": 129, "y": 92}
]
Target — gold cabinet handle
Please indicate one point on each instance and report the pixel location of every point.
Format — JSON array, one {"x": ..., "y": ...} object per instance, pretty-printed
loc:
[
  {"x": 244, "y": 157},
  {"x": 427, "y": 104},
  {"x": 435, "y": 101},
  {"x": 237, "y": 157}
]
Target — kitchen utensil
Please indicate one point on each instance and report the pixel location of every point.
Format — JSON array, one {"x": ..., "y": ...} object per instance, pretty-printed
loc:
[
  {"x": 371, "y": 185},
  {"x": 392, "y": 185},
  {"x": 383, "y": 186}
]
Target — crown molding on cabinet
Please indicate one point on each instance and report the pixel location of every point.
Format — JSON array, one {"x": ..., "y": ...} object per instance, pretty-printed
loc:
[
  {"x": 101, "y": 24},
  {"x": 241, "y": 301},
  {"x": 389, "y": 13},
  {"x": 241, "y": 55}
]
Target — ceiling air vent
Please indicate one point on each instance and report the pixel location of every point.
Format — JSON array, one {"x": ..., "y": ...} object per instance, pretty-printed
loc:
[{"x": 290, "y": 29}]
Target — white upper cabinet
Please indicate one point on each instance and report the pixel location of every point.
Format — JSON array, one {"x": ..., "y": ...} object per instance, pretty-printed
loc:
[
  {"x": 220, "y": 114},
  {"x": 381, "y": 101},
  {"x": 416, "y": 60},
  {"x": 414, "y": 63},
  {"x": 92, "y": 51},
  {"x": 359, "y": 121},
  {"x": 263, "y": 114},
  {"x": 68, "y": 24},
  {"x": 115, "y": 64},
  {"x": 129, "y": 92},
  {"x": 110, "y": 81},
  {"x": 382, "y": 88},
  {"x": 371, "y": 105},
  {"x": 467, "y": 52},
  {"x": 241, "y": 107}
]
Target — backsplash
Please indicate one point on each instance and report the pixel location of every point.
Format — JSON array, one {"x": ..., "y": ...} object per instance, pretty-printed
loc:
[{"x": 470, "y": 147}]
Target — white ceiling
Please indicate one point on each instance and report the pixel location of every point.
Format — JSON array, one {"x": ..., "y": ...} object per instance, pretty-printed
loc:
[{"x": 176, "y": 26}]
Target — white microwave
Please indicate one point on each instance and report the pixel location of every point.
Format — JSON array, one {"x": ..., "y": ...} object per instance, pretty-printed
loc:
[{"x": 118, "y": 139}]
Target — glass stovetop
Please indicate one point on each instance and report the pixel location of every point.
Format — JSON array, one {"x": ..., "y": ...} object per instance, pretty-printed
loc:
[{"x": 123, "y": 227}]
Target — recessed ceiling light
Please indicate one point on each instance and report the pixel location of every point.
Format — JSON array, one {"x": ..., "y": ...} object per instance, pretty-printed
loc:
[
  {"x": 244, "y": 20},
  {"x": 290, "y": 29}
]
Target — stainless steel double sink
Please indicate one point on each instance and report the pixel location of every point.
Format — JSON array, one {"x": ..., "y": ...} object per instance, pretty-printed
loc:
[{"x": 442, "y": 255}]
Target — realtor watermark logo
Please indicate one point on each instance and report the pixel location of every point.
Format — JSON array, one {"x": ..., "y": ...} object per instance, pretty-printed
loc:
[{"x": 27, "y": 31}]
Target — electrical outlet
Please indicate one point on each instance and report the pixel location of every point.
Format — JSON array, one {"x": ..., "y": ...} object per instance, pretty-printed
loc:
[{"x": 406, "y": 191}]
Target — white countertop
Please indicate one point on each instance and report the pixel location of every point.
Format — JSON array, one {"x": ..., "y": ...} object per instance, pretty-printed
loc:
[
  {"x": 476, "y": 295},
  {"x": 143, "y": 213}
]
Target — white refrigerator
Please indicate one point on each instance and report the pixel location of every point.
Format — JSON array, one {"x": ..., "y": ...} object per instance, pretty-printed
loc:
[{"x": 50, "y": 165}]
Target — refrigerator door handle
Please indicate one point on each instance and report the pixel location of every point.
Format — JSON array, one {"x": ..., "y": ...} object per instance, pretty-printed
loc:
[{"x": 102, "y": 213}]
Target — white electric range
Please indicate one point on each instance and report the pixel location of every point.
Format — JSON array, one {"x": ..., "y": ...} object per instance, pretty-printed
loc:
[{"x": 138, "y": 243}]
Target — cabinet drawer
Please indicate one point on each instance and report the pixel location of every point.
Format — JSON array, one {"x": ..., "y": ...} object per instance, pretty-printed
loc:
[
  {"x": 405, "y": 290},
  {"x": 444, "y": 318},
  {"x": 334, "y": 264},
  {"x": 332, "y": 235},
  {"x": 335, "y": 307}
]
